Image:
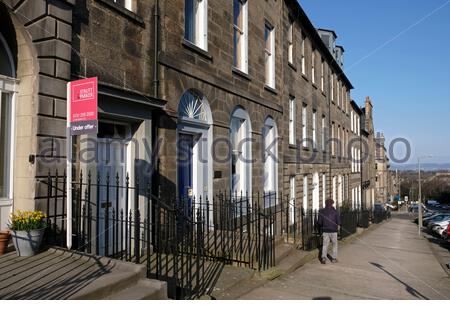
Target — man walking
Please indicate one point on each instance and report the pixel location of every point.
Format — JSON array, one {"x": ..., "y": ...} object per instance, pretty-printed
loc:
[{"x": 329, "y": 221}]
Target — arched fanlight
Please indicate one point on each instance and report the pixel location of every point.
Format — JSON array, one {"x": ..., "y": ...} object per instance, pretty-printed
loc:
[
  {"x": 192, "y": 105},
  {"x": 6, "y": 59}
]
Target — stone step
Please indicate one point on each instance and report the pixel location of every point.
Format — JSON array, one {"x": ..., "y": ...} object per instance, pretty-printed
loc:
[{"x": 144, "y": 289}]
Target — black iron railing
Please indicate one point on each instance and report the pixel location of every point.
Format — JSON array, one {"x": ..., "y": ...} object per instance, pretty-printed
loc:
[
  {"x": 180, "y": 240},
  {"x": 380, "y": 215}
]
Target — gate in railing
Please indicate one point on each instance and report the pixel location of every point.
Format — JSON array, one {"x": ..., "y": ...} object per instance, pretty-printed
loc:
[{"x": 182, "y": 241}]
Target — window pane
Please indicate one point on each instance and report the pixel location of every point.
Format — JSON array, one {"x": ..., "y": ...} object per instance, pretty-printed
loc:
[
  {"x": 5, "y": 137},
  {"x": 266, "y": 38},
  {"x": 6, "y": 68},
  {"x": 189, "y": 28},
  {"x": 236, "y": 56}
]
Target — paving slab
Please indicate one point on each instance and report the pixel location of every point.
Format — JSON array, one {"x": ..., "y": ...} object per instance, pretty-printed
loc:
[
  {"x": 61, "y": 274},
  {"x": 388, "y": 262}
]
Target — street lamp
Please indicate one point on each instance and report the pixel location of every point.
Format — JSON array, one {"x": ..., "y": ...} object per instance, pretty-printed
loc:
[{"x": 420, "y": 194}]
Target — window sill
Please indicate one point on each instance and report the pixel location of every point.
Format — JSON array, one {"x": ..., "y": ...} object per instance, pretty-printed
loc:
[
  {"x": 270, "y": 89},
  {"x": 241, "y": 74},
  {"x": 305, "y": 77},
  {"x": 293, "y": 67},
  {"x": 323, "y": 93},
  {"x": 130, "y": 15},
  {"x": 305, "y": 148},
  {"x": 196, "y": 49},
  {"x": 315, "y": 85},
  {"x": 292, "y": 146}
]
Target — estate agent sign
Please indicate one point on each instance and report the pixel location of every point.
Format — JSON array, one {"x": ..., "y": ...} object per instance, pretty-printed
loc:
[
  {"x": 81, "y": 119},
  {"x": 83, "y": 106}
]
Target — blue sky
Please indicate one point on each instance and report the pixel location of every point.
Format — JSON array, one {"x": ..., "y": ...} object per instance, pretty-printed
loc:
[{"x": 398, "y": 53}]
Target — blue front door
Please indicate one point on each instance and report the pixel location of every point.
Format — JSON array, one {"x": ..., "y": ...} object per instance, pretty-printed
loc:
[{"x": 185, "y": 183}]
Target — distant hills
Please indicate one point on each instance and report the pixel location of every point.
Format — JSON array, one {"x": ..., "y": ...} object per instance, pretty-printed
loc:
[{"x": 424, "y": 166}]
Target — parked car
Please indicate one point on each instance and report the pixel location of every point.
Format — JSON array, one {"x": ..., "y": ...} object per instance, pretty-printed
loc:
[
  {"x": 425, "y": 215},
  {"x": 414, "y": 208},
  {"x": 438, "y": 227},
  {"x": 447, "y": 234},
  {"x": 435, "y": 218}
]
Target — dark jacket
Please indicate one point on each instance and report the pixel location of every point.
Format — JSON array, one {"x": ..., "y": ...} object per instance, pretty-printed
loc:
[{"x": 329, "y": 220}]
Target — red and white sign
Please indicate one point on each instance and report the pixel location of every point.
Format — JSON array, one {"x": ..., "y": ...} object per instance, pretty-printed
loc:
[{"x": 83, "y": 105}]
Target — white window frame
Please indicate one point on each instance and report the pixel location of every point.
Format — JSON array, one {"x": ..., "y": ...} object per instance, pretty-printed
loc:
[
  {"x": 313, "y": 66},
  {"x": 292, "y": 121},
  {"x": 241, "y": 51},
  {"x": 332, "y": 86},
  {"x": 242, "y": 138},
  {"x": 338, "y": 98},
  {"x": 314, "y": 129},
  {"x": 316, "y": 192},
  {"x": 303, "y": 58},
  {"x": 344, "y": 97},
  {"x": 292, "y": 198},
  {"x": 334, "y": 190},
  {"x": 348, "y": 101},
  {"x": 290, "y": 40},
  {"x": 10, "y": 86},
  {"x": 333, "y": 143},
  {"x": 305, "y": 193},
  {"x": 352, "y": 121},
  {"x": 270, "y": 142},
  {"x": 305, "y": 126},
  {"x": 324, "y": 189},
  {"x": 127, "y": 4},
  {"x": 358, "y": 125},
  {"x": 324, "y": 133},
  {"x": 353, "y": 159},
  {"x": 200, "y": 19},
  {"x": 269, "y": 49},
  {"x": 322, "y": 75}
]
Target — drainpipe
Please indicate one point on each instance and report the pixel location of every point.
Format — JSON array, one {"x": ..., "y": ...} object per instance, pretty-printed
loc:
[
  {"x": 155, "y": 180},
  {"x": 156, "y": 51}
]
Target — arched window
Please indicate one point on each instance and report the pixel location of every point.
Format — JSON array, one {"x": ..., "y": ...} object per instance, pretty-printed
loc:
[
  {"x": 192, "y": 106},
  {"x": 241, "y": 152},
  {"x": 270, "y": 143},
  {"x": 316, "y": 192},
  {"x": 8, "y": 87},
  {"x": 6, "y": 59},
  {"x": 334, "y": 191}
]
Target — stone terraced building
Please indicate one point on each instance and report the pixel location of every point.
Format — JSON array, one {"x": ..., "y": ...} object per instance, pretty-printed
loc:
[{"x": 249, "y": 93}]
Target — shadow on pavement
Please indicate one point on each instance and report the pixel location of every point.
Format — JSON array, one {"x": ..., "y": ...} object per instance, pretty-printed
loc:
[{"x": 408, "y": 288}]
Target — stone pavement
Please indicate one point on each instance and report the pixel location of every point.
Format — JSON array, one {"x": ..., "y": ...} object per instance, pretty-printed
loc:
[
  {"x": 61, "y": 274},
  {"x": 388, "y": 262}
]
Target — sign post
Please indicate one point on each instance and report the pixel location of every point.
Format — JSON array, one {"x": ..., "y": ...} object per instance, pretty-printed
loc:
[{"x": 82, "y": 118}]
